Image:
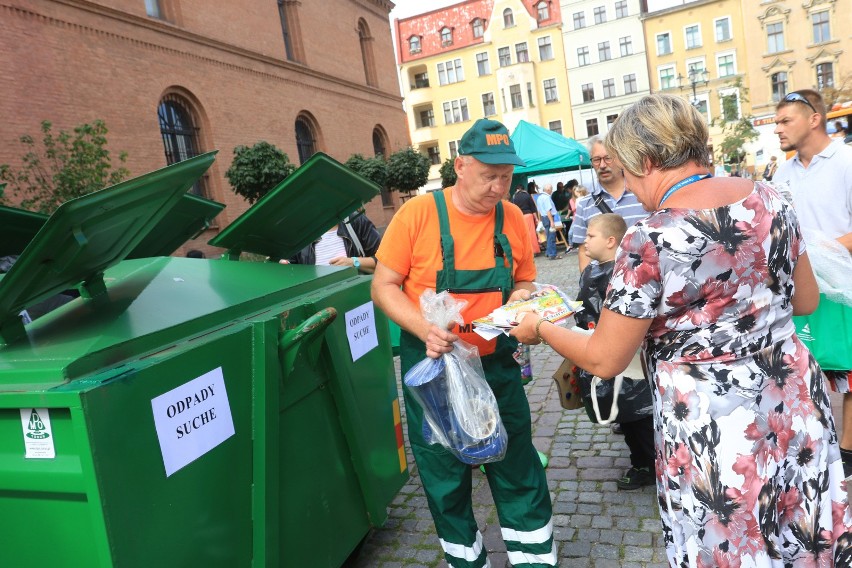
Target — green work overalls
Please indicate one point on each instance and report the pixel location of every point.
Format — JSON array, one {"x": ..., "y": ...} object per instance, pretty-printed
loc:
[{"x": 518, "y": 483}]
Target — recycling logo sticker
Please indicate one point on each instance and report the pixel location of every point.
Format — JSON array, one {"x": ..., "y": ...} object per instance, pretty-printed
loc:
[{"x": 38, "y": 435}]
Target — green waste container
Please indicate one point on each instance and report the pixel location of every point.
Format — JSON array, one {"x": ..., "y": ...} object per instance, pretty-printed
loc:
[{"x": 194, "y": 413}]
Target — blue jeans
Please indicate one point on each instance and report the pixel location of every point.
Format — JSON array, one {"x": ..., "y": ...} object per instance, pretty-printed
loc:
[{"x": 550, "y": 251}]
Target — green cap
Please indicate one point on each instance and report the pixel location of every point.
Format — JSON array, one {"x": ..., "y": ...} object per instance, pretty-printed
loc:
[{"x": 488, "y": 141}]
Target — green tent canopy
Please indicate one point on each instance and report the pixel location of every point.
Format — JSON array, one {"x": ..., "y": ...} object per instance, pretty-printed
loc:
[{"x": 547, "y": 152}]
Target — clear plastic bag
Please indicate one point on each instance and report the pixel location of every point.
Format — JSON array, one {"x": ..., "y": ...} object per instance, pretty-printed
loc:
[
  {"x": 832, "y": 265},
  {"x": 459, "y": 409}
]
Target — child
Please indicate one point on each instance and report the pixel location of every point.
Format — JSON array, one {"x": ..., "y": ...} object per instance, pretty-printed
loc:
[{"x": 603, "y": 235}]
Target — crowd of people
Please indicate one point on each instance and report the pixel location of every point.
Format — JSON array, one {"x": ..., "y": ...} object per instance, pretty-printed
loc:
[{"x": 703, "y": 276}]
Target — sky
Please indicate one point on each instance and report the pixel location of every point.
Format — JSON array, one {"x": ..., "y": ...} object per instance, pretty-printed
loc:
[{"x": 405, "y": 8}]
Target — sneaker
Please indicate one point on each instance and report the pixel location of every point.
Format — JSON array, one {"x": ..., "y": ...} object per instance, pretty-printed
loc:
[{"x": 635, "y": 478}]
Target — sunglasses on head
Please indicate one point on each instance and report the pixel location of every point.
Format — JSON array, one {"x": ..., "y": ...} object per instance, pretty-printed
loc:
[{"x": 797, "y": 98}]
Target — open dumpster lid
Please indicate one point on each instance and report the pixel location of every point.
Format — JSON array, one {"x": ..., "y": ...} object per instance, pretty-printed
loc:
[
  {"x": 297, "y": 211},
  {"x": 17, "y": 229},
  {"x": 184, "y": 221},
  {"x": 87, "y": 235}
]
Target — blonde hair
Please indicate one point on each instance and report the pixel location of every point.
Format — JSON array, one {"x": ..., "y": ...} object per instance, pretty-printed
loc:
[
  {"x": 610, "y": 224},
  {"x": 581, "y": 190},
  {"x": 664, "y": 130}
]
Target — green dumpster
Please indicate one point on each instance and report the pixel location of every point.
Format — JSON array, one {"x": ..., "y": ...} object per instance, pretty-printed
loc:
[{"x": 193, "y": 413}]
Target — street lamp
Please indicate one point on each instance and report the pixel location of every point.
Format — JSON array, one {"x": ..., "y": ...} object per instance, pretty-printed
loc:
[{"x": 697, "y": 76}]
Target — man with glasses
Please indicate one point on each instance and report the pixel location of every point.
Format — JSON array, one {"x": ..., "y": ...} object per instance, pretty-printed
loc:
[
  {"x": 608, "y": 195},
  {"x": 819, "y": 176}
]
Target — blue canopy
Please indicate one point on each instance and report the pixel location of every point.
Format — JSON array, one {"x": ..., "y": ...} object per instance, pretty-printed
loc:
[{"x": 545, "y": 151}]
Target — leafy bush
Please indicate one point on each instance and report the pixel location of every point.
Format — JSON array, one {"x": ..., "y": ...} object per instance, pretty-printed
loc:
[
  {"x": 68, "y": 165},
  {"x": 257, "y": 170}
]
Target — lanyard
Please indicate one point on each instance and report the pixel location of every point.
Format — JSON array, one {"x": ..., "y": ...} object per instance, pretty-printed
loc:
[{"x": 683, "y": 183}]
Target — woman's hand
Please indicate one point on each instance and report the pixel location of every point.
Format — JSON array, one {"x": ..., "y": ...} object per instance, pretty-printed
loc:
[{"x": 525, "y": 330}]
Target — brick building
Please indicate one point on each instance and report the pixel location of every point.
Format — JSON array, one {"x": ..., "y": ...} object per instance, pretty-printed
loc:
[{"x": 173, "y": 78}]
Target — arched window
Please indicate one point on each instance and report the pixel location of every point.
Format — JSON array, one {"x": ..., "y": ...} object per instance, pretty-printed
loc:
[
  {"x": 367, "y": 53},
  {"x": 543, "y": 11},
  {"x": 180, "y": 134},
  {"x": 414, "y": 44},
  {"x": 508, "y": 18},
  {"x": 380, "y": 148},
  {"x": 779, "y": 86},
  {"x": 446, "y": 37},
  {"x": 306, "y": 142},
  {"x": 478, "y": 27}
]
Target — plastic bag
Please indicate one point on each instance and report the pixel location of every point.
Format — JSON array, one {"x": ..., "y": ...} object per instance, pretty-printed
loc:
[
  {"x": 832, "y": 265},
  {"x": 539, "y": 228},
  {"x": 459, "y": 409}
]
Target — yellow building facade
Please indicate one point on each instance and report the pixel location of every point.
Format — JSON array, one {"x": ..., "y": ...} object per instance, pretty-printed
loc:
[
  {"x": 498, "y": 59},
  {"x": 794, "y": 45},
  {"x": 698, "y": 51}
]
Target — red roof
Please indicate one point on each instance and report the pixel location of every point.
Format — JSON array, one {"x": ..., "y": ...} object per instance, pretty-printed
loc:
[{"x": 458, "y": 18}]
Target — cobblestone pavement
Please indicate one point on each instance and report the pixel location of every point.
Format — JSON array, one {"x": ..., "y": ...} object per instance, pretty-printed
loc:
[{"x": 595, "y": 525}]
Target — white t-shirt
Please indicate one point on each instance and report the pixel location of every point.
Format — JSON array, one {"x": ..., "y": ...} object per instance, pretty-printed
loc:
[
  {"x": 822, "y": 193},
  {"x": 330, "y": 246}
]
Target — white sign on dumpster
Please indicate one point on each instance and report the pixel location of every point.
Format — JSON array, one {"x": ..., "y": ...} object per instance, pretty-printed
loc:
[
  {"x": 192, "y": 419},
  {"x": 361, "y": 330},
  {"x": 38, "y": 435}
]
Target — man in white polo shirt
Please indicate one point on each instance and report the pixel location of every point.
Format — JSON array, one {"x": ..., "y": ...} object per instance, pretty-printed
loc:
[{"x": 819, "y": 176}]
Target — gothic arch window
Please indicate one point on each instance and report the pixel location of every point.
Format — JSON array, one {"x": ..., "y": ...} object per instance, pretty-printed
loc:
[
  {"x": 446, "y": 37},
  {"x": 543, "y": 11},
  {"x": 478, "y": 25},
  {"x": 306, "y": 138},
  {"x": 367, "y": 53},
  {"x": 380, "y": 148},
  {"x": 180, "y": 132}
]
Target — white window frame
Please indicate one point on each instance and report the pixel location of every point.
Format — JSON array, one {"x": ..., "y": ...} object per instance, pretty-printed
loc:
[
  {"x": 486, "y": 61},
  {"x": 686, "y": 36},
  {"x": 629, "y": 45},
  {"x": 555, "y": 90},
  {"x": 660, "y": 69},
  {"x": 525, "y": 51},
  {"x": 657, "y": 43},
  {"x": 692, "y": 62},
  {"x": 715, "y": 29},
  {"x": 588, "y": 58},
  {"x": 551, "y": 123},
  {"x": 783, "y": 36},
  {"x": 604, "y": 88},
  {"x": 719, "y": 67},
  {"x": 549, "y": 46},
  {"x": 500, "y": 60},
  {"x": 453, "y": 153},
  {"x": 634, "y": 82},
  {"x": 462, "y": 108},
  {"x": 493, "y": 102},
  {"x": 478, "y": 24},
  {"x": 705, "y": 98}
]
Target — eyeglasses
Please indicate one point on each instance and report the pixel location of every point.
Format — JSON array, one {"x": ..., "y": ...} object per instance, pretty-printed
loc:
[
  {"x": 797, "y": 98},
  {"x": 606, "y": 160}
]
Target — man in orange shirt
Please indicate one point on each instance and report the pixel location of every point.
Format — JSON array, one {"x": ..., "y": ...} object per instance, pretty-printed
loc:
[{"x": 465, "y": 240}]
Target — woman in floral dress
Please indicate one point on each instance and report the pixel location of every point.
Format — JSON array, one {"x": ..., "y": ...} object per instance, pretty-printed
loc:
[{"x": 748, "y": 463}]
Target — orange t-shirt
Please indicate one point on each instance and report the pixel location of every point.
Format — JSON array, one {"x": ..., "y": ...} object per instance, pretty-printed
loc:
[{"x": 411, "y": 246}]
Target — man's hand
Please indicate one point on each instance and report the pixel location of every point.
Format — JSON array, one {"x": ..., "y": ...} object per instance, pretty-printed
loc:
[
  {"x": 341, "y": 261},
  {"x": 439, "y": 341},
  {"x": 519, "y": 295}
]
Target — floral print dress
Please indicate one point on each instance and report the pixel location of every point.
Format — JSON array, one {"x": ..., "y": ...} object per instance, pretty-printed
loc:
[{"x": 748, "y": 464}]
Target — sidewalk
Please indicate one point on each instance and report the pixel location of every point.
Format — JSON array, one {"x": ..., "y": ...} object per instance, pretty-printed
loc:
[{"x": 595, "y": 525}]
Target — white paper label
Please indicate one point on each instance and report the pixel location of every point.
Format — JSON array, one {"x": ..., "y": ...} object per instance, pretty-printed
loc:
[
  {"x": 361, "y": 330},
  {"x": 192, "y": 419},
  {"x": 38, "y": 435}
]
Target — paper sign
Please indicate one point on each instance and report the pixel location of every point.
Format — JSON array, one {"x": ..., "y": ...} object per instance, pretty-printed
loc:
[
  {"x": 192, "y": 419},
  {"x": 361, "y": 330},
  {"x": 38, "y": 435}
]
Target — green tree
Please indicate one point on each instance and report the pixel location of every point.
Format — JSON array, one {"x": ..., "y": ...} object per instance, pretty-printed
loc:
[
  {"x": 408, "y": 170},
  {"x": 737, "y": 129},
  {"x": 258, "y": 169},
  {"x": 66, "y": 165},
  {"x": 448, "y": 173},
  {"x": 374, "y": 169}
]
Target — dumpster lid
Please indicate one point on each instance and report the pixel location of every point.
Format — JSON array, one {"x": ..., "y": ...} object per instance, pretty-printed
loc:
[
  {"x": 189, "y": 217},
  {"x": 87, "y": 235},
  {"x": 17, "y": 229},
  {"x": 299, "y": 210}
]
